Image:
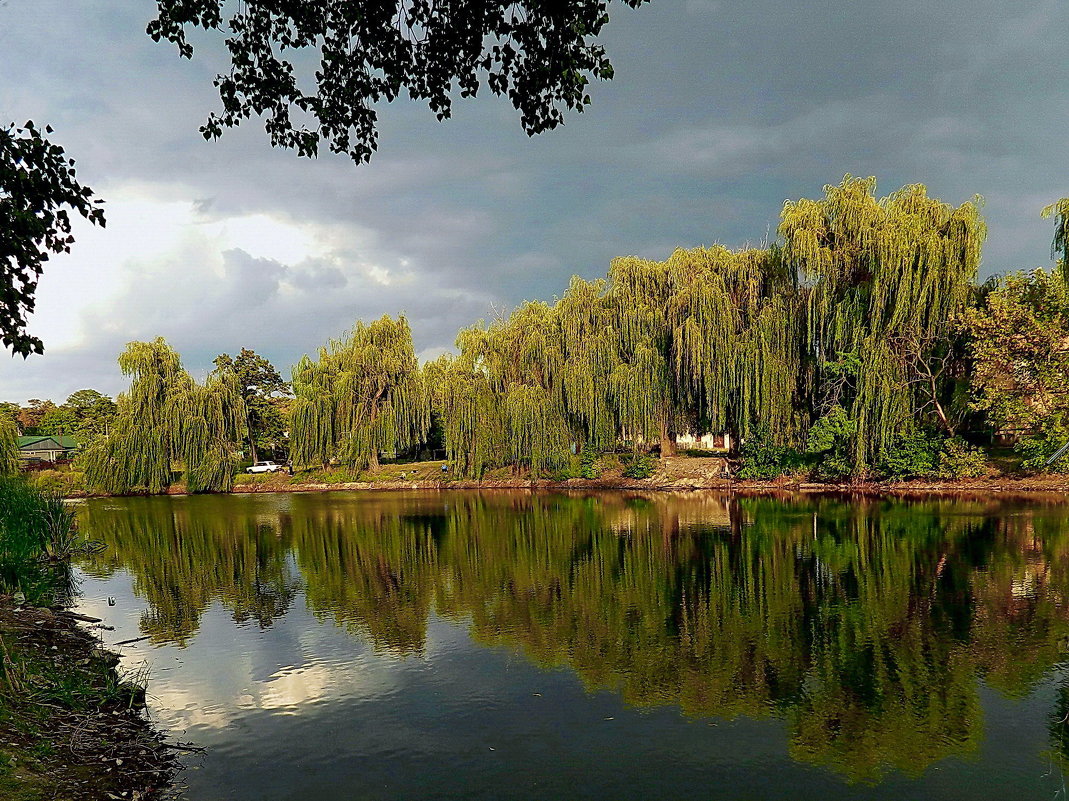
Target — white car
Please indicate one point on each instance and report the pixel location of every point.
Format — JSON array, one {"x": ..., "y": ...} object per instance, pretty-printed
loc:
[{"x": 265, "y": 467}]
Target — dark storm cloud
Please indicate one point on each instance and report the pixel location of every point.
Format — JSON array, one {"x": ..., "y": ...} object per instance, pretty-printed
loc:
[{"x": 719, "y": 111}]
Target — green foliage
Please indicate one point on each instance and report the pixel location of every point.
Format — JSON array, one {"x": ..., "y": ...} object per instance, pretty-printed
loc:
[
  {"x": 364, "y": 394},
  {"x": 639, "y": 465},
  {"x": 38, "y": 191},
  {"x": 264, "y": 394},
  {"x": 1059, "y": 246},
  {"x": 168, "y": 423},
  {"x": 1020, "y": 376},
  {"x": 58, "y": 420},
  {"x": 588, "y": 462},
  {"x": 9, "y": 447},
  {"x": 64, "y": 483},
  {"x": 762, "y": 458},
  {"x": 542, "y": 62},
  {"x": 881, "y": 272},
  {"x": 93, "y": 412},
  {"x": 829, "y": 440},
  {"x": 959, "y": 459},
  {"x": 912, "y": 454},
  {"x": 33, "y": 527}
]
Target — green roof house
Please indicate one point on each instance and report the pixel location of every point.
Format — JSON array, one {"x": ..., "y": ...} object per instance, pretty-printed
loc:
[{"x": 46, "y": 448}]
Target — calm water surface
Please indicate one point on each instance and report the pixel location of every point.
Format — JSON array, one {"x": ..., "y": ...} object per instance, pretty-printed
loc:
[{"x": 515, "y": 646}]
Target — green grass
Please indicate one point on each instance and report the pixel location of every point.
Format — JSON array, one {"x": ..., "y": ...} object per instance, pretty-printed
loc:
[{"x": 36, "y": 536}]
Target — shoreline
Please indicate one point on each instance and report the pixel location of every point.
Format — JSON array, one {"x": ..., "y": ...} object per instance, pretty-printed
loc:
[
  {"x": 73, "y": 726},
  {"x": 989, "y": 486}
]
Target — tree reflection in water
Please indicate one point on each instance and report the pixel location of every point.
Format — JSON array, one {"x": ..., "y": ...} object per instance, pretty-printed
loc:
[{"x": 864, "y": 624}]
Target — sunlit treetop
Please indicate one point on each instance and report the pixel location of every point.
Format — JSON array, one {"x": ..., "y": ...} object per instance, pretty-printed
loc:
[{"x": 1059, "y": 246}]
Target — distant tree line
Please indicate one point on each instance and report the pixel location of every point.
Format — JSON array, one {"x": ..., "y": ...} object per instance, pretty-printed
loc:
[{"x": 858, "y": 345}]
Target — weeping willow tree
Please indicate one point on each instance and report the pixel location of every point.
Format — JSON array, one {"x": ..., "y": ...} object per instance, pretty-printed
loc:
[
  {"x": 362, "y": 396},
  {"x": 645, "y": 396},
  {"x": 735, "y": 341},
  {"x": 503, "y": 395},
  {"x": 709, "y": 340},
  {"x": 9, "y": 447},
  {"x": 885, "y": 280},
  {"x": 1059, "y": 246},
  {"x": 168, "y": 423},
  {"x": 590, "y": 356},
  {"x": 470, "y": 411}
]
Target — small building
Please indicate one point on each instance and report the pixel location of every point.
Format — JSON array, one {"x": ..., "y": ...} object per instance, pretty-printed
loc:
[
  {"x": 704, "y": 442},
  {"x": 50, "y": 448}
]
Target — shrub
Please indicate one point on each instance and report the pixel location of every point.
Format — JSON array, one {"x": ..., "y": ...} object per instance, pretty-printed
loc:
[
  {"x": 913, "y": 454},
  {"x": 58, "y": 482},
  {"x": 1038, "y": 449},
  {"x": 588, "y": 462},
  {"x": 829, "y": 443},
  {"x": 639, "y": 465},
  {"x": 959, "y": 459},
  {"x": 34, "y": 526},
  {"x": 761, "y": 458}
]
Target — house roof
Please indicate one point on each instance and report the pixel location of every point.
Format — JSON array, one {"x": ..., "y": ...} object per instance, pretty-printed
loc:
[{"x": 44, "y": 443}]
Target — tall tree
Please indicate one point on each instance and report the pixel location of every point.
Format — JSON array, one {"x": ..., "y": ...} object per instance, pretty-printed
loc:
[
  {"x": 1019, "y": 344},
  {"x": 542, "y": 56},
  {"x": 168, "y": 422},
  {"x": 38, "y": 191},
  {"x": 363, "y": 395},
  {"x": 33, "y": 413},
  {"x": 878, "y": 271},
  {"x": 93, "y": 411},
  {"x": 58, "y": 420},
  {"x": 260, "y": 385}
]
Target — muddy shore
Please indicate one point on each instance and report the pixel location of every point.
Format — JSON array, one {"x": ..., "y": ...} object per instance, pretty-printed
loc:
[{"x": 72, "y": 727}]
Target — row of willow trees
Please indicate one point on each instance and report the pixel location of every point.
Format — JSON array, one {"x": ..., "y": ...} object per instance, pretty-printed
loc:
[{"x": 842, "y": 339}]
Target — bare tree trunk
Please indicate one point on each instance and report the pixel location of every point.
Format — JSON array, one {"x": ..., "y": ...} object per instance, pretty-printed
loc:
[
  {"x": 939, "y": 409},
  {"x": 668, "y": 440},
  {"x": 252, "y": 442}
]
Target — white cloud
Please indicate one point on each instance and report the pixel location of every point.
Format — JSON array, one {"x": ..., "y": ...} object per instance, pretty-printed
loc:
[{"x": 165, "y": 266}]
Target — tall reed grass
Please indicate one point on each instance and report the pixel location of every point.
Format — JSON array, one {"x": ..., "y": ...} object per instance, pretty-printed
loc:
[{"x": 37, "y": 534}]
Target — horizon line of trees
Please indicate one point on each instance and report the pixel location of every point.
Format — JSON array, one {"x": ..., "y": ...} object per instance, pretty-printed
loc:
[{"x": 859, "y": 344}]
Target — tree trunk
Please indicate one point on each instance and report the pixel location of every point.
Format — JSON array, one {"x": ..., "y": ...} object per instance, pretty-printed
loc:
[{"x": 668, "y": 440}]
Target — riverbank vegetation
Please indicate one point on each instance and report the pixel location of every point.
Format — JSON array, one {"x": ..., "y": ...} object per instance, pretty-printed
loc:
[
  {"x": 60, "y": 694},
  {"x": 857, "y": 346}
]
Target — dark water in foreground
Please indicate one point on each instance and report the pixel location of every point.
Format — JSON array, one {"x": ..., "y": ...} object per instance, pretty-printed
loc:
[{"x": 492, "y": 646}]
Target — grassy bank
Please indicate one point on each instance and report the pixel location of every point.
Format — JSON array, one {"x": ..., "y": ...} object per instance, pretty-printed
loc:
[
  {"x": 71, "y": 725},
  {"x": 1001, "y": 470}
]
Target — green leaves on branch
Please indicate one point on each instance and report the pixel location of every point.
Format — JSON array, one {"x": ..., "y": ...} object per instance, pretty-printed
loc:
[
  {"x": 168, "y": 423},
  {"x": 878, "y": 273},
  {"x": 38, "y": 190},
  {"x": 542, "y": 56},
  {"x": 364, "y": 395}
]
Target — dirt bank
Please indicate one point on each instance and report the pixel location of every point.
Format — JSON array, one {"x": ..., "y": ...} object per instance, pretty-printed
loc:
[
  {"x": 71, "y": 727},
  {"x": 672, "y": 474},
  {"x": 678, "y": 473}
]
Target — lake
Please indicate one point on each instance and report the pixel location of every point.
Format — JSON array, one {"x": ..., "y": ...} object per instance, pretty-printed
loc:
[{"x": 501, "y": 645}]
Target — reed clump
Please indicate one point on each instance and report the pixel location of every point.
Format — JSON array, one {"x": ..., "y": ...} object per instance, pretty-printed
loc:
[{"x": 37, "y": 535}]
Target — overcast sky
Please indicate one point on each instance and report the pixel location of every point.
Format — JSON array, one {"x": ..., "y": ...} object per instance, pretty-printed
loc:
[{"x": 719, "y": 111}]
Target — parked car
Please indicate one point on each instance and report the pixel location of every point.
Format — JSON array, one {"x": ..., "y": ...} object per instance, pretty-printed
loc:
[{"x": 266, "y": 467}]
